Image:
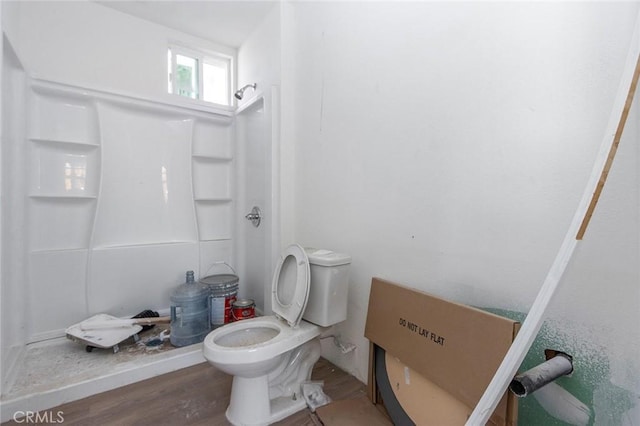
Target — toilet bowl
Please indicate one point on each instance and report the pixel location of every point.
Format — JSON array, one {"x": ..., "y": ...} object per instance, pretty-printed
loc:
[
  {"x": 270, "y": 357},
  {"x": 251, "y": 347},
  {"x": 268, "y": 361}
]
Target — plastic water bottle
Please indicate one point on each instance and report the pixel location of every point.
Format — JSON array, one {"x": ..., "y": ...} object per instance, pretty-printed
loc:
[{"x": 190, "y": 311}]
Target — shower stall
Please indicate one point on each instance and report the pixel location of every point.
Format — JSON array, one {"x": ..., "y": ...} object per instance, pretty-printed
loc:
[{"x": 107, "y": 199}]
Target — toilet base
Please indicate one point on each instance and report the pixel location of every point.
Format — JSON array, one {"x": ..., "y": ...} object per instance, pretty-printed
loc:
[
  {"x": 279, "y": 408},
  {"x": 285, "y": 406},
  {"x": 250, "y": 404}
]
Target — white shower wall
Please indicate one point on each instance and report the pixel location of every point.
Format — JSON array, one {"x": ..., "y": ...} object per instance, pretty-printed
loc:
[
  {"x": 258, "y": 144},
  {"x": 13, "y": 242},
  {"x": 123, "y": 197},
  {"x": 251, "y": 127}
]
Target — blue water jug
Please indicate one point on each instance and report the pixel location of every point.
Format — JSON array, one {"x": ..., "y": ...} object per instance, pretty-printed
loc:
[{"x": 190, "y": 313}]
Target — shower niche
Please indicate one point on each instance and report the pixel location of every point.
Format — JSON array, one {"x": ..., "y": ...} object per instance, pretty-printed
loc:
[
  {"x": 63, "y": 163},
  {"x": 213, "y": 162}
]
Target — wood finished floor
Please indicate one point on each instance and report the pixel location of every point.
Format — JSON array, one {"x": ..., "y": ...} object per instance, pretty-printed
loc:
[{"x": 197, "y": 395}]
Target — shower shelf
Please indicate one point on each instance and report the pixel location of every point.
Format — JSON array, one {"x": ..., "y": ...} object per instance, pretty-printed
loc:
[
  {"x": 143, "y": 244},
  {"x": 212, "y": 159},
  {"x": 63, "y": 196},
  {"x": 59, "y": 250},
  {"x": 63, "y": 143},
  {"x": 212, "y": 200},
  {"x": 88, "y": 95}
]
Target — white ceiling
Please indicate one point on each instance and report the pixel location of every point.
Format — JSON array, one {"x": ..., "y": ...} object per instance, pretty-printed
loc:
[{"x": 226, "y": 22}]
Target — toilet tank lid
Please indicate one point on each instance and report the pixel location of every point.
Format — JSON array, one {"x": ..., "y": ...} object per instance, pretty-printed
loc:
[{"x": 323, "y": 257}]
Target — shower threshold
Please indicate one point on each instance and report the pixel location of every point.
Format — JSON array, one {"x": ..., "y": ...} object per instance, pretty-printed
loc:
[{"x": 57, "y": 371}]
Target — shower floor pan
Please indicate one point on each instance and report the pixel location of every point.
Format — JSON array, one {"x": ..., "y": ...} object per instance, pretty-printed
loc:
[{"x": 58, "y": 371}]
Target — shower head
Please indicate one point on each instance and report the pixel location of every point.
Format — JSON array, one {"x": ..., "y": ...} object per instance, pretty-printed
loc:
[{"x": 240, "y": 92}]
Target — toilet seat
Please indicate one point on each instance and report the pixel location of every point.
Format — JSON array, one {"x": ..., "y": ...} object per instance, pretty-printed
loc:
[{"x": 290, "y": 286}]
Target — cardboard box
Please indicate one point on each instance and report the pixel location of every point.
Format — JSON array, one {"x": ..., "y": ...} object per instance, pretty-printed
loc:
[
  {"x": 439, "y": 356},
  {"x": 352, "y": 412}
]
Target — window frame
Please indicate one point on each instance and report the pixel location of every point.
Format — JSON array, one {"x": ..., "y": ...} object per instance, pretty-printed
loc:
[{"x": 201, "y": 56}]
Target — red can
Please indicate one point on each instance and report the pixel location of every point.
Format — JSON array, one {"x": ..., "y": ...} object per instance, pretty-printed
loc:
[{"x": 242, "y": 309}]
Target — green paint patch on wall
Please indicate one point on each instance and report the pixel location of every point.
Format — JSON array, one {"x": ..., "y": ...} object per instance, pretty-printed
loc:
[{"x": 587, "y": 397}]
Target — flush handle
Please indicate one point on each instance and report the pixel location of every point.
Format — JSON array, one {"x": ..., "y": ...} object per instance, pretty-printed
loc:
[{"x": 255, "y": 216}]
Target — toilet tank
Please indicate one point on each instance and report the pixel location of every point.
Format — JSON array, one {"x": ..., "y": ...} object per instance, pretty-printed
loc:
[{"x": 328, "y": 288}]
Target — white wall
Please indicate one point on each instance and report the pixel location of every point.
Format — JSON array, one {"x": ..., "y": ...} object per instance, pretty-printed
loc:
[
  {"x": 259, "y": 55},
  {"x": 91, "y": 45},
  {"x": 445, "y": 146}
]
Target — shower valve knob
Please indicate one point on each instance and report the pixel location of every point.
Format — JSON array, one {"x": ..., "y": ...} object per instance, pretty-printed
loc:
[{"x": 255, "y": 216}]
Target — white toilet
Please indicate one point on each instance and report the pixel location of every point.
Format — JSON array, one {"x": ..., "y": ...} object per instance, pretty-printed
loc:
[{"x": 269, "y": 357}]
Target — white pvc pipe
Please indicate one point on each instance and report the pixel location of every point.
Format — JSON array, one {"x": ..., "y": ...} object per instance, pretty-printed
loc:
[
  {"x": 541, "y": 375},
  {"x": 530, "y": 327}
]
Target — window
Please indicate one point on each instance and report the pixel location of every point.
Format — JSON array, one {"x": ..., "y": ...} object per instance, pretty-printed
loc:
[{"x": 198, "y": 75}]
